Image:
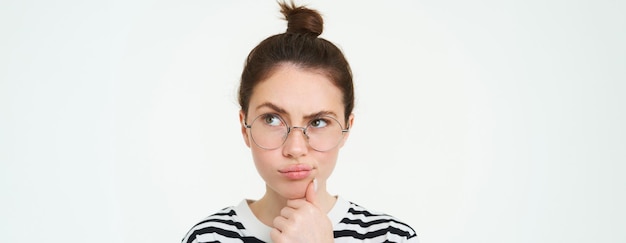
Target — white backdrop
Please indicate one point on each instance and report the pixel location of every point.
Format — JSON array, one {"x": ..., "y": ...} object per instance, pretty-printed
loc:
[{"x": 480, "y": 121}]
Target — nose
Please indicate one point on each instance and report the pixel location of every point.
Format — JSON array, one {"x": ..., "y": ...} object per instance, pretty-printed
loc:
[{"x": 296, "y": 144}]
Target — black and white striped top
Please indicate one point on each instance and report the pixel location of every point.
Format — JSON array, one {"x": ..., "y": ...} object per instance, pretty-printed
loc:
[{"x": 351, "y": 223}]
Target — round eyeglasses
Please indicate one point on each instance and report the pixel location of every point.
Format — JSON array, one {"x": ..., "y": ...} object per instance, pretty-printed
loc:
[{"x": 270, "y": 131}]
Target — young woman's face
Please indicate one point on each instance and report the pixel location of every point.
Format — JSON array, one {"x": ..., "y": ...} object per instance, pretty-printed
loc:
[{"x": 301, "y": 98}]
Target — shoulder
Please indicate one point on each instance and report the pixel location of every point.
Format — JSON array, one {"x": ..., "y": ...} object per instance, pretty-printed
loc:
[
  {"x": 224, "y": 223},
  {"x": 363, "y": 224}
]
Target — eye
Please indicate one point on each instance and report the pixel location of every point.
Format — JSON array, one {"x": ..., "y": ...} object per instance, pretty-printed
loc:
[
  {"x": 319, "y": 123},
  {"x": 272, "y": 120}
]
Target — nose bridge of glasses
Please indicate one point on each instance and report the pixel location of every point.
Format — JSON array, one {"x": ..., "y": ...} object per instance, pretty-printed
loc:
[{"x": 298, "y": 127}]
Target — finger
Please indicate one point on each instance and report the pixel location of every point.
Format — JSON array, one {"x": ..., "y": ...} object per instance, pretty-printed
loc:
[
  {"x": 311, "y": 192},
  {"x": 297, "y": 203},
  {"x": 287, "y": 212},
  {"x": 275, "y": 234},
  {"x": 280, "y": 223}
]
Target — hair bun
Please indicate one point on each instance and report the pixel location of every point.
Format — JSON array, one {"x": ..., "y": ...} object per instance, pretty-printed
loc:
[{"x": 301, "y": 19}]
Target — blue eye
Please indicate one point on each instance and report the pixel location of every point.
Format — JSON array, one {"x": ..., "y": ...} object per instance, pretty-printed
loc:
[
  {"x": 272, "y": 120},
  {"x": 319, "y": 123}
]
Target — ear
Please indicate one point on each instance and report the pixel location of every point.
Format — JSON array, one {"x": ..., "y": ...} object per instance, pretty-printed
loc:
[
  {"x": 350, "y": 124},
  {"x": 244, "y": 130}
]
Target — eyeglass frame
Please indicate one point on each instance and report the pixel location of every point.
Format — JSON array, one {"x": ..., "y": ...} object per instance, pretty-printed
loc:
[{"x": 289, "y": 129}]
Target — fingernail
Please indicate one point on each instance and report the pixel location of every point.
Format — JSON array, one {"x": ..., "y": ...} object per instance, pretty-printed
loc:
[{"x": 315, "y": 184}]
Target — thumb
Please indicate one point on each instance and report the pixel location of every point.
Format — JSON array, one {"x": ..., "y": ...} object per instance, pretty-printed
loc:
[{"x": 311, "y": 192}]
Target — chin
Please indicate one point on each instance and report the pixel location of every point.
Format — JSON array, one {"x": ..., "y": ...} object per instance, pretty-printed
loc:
[
  {"x": 292, "y": 193},
  {"x": 300, "y": 196}
]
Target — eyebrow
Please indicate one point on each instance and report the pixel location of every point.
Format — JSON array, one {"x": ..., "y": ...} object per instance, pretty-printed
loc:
[
  {"x": 273, "y": 107},
  {"x": 282, "y": 111}
]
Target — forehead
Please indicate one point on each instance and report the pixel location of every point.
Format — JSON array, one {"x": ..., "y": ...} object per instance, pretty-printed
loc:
[{"x": 298, "y": 91}]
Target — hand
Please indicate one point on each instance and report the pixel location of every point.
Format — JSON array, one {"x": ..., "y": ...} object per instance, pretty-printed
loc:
[{"x": 303, "y": 221}]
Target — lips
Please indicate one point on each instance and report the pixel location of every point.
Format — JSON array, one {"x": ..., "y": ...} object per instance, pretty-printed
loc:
[{"x": 296, "y": 172}]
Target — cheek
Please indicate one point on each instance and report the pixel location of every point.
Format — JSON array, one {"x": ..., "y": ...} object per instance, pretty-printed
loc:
[
  {"x": 326, "y": 163},
  {"x": 265, "y": 161}
]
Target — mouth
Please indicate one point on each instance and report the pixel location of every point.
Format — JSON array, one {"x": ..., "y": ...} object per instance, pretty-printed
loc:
[{"x": 296, "y": 172}]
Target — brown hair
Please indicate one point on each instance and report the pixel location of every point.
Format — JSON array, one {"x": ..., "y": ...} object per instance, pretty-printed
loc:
[{"x": 299, "y": 45}]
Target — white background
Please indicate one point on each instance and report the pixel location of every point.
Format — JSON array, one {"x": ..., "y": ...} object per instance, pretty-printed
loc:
[{"x": 476, "y": 121}]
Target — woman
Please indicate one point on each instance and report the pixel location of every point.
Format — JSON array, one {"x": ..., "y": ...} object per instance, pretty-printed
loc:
[{"x": 296, "y": 96}]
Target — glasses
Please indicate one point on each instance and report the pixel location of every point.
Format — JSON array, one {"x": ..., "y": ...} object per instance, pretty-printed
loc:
[{"x": 270, "y": 131}]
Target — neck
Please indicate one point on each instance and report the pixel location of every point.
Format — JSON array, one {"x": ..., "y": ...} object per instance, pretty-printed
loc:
[{"x": 268, "y": 207}]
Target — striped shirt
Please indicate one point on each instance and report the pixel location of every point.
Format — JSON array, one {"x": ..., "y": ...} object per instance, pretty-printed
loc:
[{"x": 351, "y": 223}]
